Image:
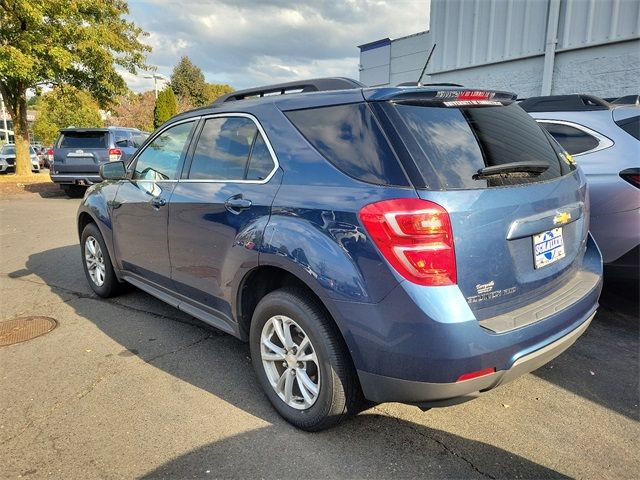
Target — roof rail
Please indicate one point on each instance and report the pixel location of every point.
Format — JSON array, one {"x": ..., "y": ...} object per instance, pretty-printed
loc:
[
  {"x": 299, "y": 86},
  {"x": 564, "y": 103}
]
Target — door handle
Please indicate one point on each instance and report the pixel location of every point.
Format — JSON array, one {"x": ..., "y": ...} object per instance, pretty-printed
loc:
[
  {"x": 236, "y": 204},
  {"x": 158, "y": 202}
]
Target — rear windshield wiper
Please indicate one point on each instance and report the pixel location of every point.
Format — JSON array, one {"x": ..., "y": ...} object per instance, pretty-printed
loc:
[{"x": 534, "y": 168}]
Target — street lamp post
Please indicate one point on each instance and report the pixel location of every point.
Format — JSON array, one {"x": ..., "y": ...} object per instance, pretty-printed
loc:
[{"x": 156, "y": 77}]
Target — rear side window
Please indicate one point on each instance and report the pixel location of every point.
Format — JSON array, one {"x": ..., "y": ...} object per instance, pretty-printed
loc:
[
  {"x": 137, "y": 139},
  {"x": 351, "y": 139},
  {"x": 223, "y": 149},
  {"x": 631, "y": 126},
  {"x": 573, "y": 140},
  {"x": 457, "y": 142},
  {"x": 84, "y": 140},
  {"x": 122, "y": 139},
  {"x": 260, "y": 163}
]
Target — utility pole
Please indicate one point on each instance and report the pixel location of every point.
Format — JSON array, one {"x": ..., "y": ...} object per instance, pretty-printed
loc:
[{"x": 156, "y": 77}]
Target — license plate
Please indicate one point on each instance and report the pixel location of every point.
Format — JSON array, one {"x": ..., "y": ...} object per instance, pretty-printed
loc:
[{"x": 548, "y": 247}]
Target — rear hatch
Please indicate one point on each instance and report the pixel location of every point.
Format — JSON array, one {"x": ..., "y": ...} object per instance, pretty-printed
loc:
[
  {"x": 517, "y": 204},
  {"x": 81, "y": 150}
]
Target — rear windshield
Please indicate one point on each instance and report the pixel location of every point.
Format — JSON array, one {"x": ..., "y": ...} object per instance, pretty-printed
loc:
[
  {"x": 84, "y": 140},
  {"x": 455, "y": 143},
  {"x": 631, "y": 126}
]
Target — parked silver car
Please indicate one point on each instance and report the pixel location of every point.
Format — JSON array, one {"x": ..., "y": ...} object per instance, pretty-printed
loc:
[
  {"x": 604, "y": 140},
  {"x": 8, "y": 159}
]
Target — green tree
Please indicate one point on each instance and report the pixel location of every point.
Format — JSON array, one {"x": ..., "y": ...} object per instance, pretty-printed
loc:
[
  {"x": 62, "y": 107},
  {"x": 187, "y": 80},
  {"x": 166, "y": 107},
  {"x": 215, "y": 90},
  {"x": 74, "y": 42}
]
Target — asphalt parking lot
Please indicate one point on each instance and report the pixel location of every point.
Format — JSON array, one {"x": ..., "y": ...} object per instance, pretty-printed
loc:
[{"x": 130, "y": 387}]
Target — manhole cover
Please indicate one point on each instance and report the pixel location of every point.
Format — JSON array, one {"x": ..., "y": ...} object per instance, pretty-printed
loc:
[{"x": 22, "y": 329}]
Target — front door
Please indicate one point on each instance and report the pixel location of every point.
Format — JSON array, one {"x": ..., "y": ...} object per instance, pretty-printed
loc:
[
  {"x": 140, "y": 210},
  {"x": 218, "y": 213}
]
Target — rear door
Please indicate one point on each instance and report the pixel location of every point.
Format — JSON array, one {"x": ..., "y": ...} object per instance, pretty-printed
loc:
[
  {"x": 518, "y": 235},
  {"x": 219, "y": 210},
  {"x": 81, "y": 151}
]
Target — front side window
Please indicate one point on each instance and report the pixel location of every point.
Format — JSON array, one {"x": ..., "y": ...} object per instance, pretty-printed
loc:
[
  {"x": 573, "y": 140},
  {"x": 160, "y": 160},
  {"x": 230, "y": 148}
]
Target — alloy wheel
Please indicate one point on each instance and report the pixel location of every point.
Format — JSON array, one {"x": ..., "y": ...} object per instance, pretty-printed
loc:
[
  {"x": 290, "y": 362},
  {"x": 94, "y": 261}
]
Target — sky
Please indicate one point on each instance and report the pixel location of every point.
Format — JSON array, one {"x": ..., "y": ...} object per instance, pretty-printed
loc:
[{"x": 248, "y": 43}]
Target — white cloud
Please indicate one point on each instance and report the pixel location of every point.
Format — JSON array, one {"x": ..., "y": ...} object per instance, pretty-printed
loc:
[{"x": 249, "y": 42}]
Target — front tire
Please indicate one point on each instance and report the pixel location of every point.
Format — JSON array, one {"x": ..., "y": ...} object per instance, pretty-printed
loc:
[
  {"x": 301, "y": 361},
  {"x": 97, "y": 263}
]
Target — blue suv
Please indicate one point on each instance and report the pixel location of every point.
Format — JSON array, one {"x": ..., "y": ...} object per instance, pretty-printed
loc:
[{"x": 416, "y": 244}]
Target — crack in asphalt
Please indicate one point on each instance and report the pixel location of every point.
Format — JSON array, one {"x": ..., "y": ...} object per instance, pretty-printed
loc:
[
  {"x": 446, "y": 448},
  {"x": 179, "y": 349},
  {"x": 91, "y": 296}
]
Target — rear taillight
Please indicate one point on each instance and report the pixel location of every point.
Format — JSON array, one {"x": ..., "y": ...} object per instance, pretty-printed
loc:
[
  {"x": 50, "y": 155},
  {"x": 415, "y": 237},
  {"x": 114, "y": 154},
  {"x": 631, "y": 175}
]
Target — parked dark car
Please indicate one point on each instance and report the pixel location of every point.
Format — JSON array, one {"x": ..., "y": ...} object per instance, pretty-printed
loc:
[
  {"x": 76, "y": 156},
  {"x": 420, "y": 245}
]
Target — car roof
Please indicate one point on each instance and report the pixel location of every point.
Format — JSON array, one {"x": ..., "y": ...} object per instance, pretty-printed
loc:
[{"x": 356, "y": 92}]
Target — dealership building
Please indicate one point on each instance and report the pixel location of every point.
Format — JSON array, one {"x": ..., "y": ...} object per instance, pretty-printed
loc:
[{"x": 532, "y": 47}]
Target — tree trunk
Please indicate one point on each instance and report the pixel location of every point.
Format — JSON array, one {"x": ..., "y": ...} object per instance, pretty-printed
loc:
[{"x": 21, "y": 132}]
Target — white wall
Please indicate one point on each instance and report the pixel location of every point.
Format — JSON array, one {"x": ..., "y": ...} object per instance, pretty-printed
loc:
[{"x": 606, "y": 71}]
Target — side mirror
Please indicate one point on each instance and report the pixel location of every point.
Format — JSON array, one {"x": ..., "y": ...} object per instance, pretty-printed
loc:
[{"x": 113, "y": 171}]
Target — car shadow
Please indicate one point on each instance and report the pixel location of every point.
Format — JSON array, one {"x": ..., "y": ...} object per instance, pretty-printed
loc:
[
  {"x": 224, "y": 370},
  {"x": 360, "y": 448},
  {"x": 603, "y": 365}
]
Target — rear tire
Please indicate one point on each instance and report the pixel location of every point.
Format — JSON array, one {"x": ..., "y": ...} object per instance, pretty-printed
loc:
[
  {"x": 334, "y": 391},
  {"x": 97, "y": 263},
  {"x": 74, "y": 191}
]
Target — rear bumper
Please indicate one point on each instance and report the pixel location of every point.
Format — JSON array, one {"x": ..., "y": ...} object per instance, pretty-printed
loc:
[
  {"x": 380, "y": 389},
  {"x": 413, "y": 345},
  {"x": 76, "y": 178}
]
